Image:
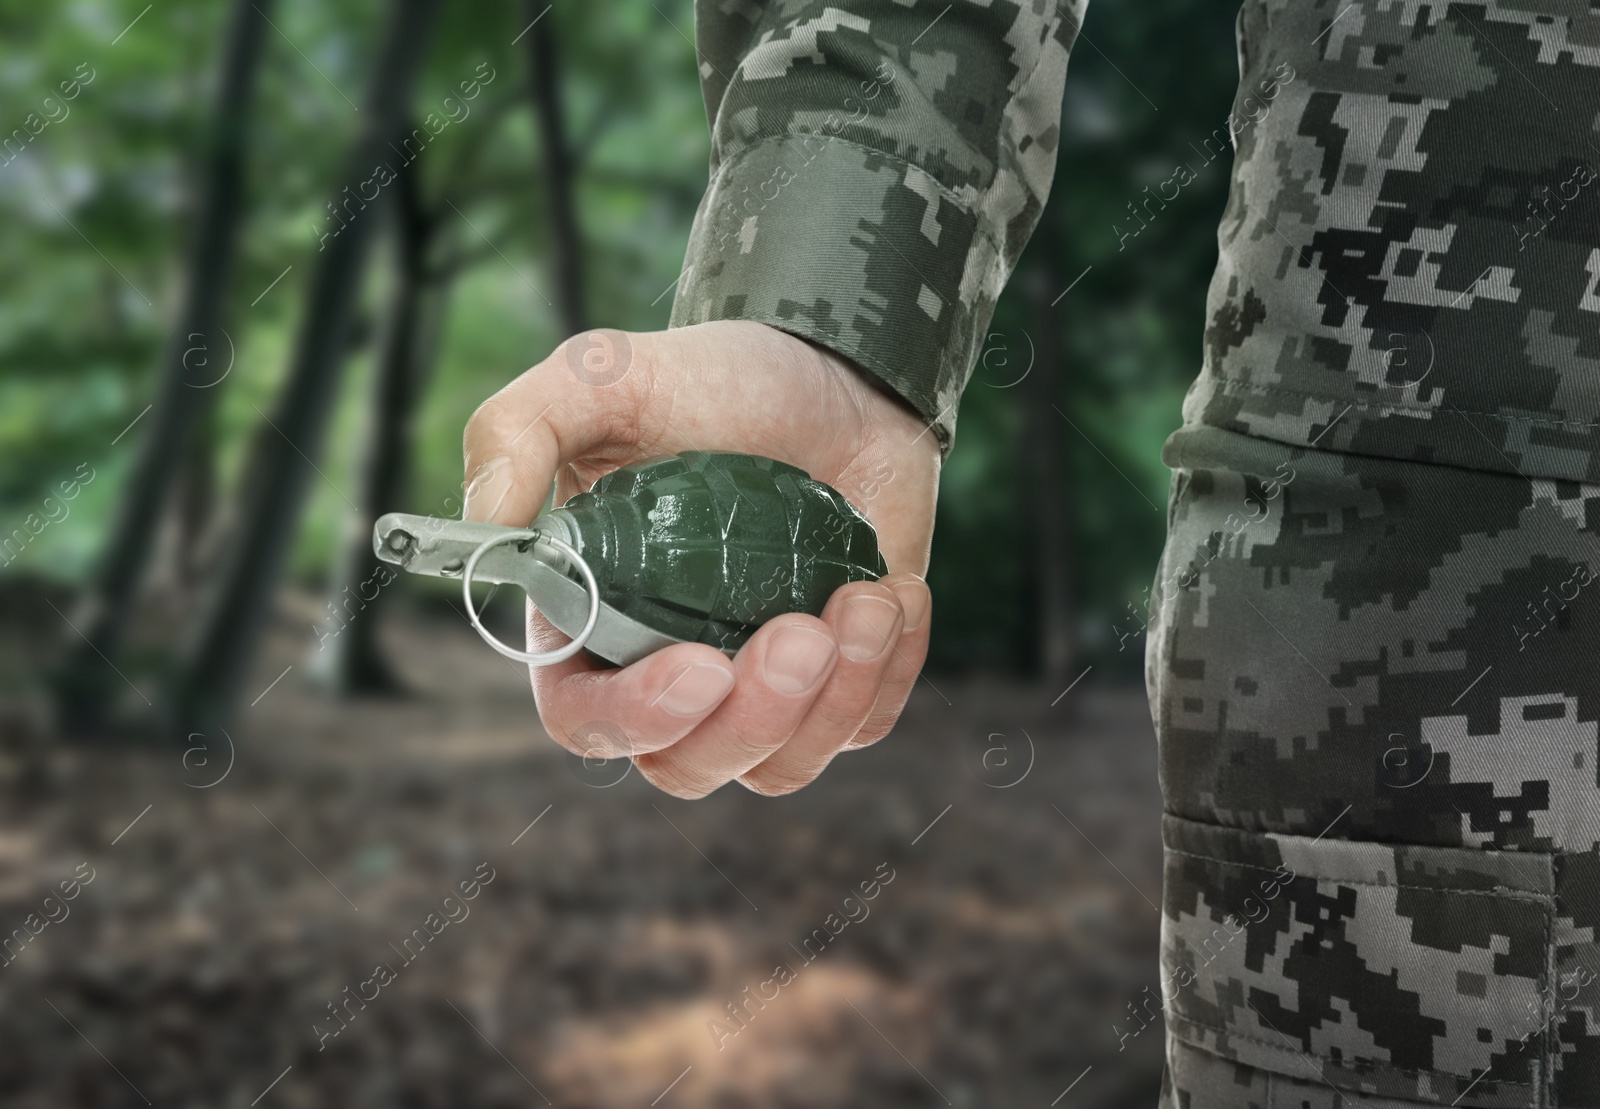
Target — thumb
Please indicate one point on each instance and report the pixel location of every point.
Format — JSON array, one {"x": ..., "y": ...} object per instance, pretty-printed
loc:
[{"x": 581, "y": 401}]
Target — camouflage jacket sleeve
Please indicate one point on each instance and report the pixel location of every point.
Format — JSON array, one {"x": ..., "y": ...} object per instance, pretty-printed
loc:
[
  {"x": 876, "y": 168},
  {"x": 1409, "y": 264}
]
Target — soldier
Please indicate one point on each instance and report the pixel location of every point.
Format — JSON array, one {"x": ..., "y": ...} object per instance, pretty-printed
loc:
[{"x": 1372, "y": 664}]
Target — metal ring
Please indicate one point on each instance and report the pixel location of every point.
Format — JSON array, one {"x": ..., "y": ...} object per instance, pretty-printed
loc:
[{"x": 533, "y": 658}]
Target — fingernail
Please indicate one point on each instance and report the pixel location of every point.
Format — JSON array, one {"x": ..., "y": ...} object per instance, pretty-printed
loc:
[
  {"x": 696, "y": 690},
  {"x": 914, "y": 597},
  {"x": 798, "y": 658},
  {"x": 488, "y": 490},
  {"x": 866, "y": 626}
]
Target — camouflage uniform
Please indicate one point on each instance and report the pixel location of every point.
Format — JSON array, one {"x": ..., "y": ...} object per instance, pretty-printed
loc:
[
  {"x": 875, "y": 174},
  {"x": 1381, "y": 775}
]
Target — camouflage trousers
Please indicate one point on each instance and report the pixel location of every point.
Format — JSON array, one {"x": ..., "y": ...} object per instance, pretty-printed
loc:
[{"x": 1376, "y": 686}]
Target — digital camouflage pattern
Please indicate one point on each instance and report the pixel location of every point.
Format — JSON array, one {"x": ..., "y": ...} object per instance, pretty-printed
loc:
[
  {"x": 876, "y": 170},
  {"x": 1374, "y": 652},
  {"x": 1376, "y": 689},
  {"x": 1391, "y": 642},
  {"x": 1410, "y": 255}
]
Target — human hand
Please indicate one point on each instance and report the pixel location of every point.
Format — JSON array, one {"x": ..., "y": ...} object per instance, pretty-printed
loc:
[{"x": 803, "y": 688}]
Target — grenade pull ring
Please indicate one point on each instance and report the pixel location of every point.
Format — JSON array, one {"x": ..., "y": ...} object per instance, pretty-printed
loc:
[
  {"x": 538, "y": 561},
  {"x": 532, "y": 658}
]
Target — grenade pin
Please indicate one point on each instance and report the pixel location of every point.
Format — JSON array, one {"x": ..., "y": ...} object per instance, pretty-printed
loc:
[{"x": 536, "y": 559}]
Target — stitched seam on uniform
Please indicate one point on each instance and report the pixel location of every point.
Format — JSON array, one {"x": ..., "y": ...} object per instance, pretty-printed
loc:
[
  {"x": 1552, "y": 1047},
  {"x": 1546, "y": 902},
  {"x": 979, "y": 225},
  {"x": 1209, "y": 827},
  {"x": 1499, "y": 891},
  {"x": 1233, "y": 385},
  {"x": 1169, "y": 634},
  {"x": 1049, "y": 32},
  {"x": 1297, "y": 1053},
  {"x": 1008, "y": 114}
]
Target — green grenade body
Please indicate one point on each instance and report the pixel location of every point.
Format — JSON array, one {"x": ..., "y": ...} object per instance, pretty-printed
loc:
[{"x": 708, "y": 546}]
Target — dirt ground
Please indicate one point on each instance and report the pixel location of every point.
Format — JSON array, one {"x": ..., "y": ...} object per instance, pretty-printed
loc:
[{"x": 268, "y": 919}]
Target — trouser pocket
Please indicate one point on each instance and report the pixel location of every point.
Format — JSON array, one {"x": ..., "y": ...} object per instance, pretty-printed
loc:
[{"x": 1420, "y": 974}]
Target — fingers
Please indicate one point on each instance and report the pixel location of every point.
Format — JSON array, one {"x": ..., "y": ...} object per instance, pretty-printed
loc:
[
  {"x": 566, "y": 407},
  {"x": 596, "y": 711},
  {"x": 781, "y": 670},
  {"x": 866, "y": 618},
  {"x": 802, "y": 690},
  {"x": 905, "y": 660}
]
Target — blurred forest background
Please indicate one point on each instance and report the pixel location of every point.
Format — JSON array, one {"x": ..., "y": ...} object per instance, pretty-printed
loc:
[
  {"x": 574, "y": 170},
  {"x": 211, "y": 384}
]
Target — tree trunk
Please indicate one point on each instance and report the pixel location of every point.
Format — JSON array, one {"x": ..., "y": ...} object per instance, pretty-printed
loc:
[
  {"x": 1047, "y": 462},
  {"x": 197, "y": 501},
  {"x": 545, "y": 85},
  {"x": 184, "y": 395},
  {"x": 216, "y": 661},
  {"x": 347, "y": 658}
]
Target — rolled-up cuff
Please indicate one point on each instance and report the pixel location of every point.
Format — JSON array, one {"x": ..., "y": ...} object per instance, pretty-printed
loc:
[{"x": 853, "y": 249}]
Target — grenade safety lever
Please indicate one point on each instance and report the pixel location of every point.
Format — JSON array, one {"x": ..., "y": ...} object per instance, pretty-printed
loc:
[
  {"x": 516, "y": 556},
  {"x": 698, "y": 547}
]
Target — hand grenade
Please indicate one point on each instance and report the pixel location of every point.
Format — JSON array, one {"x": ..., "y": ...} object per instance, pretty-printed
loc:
[{"x": 697, "y": 547}]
